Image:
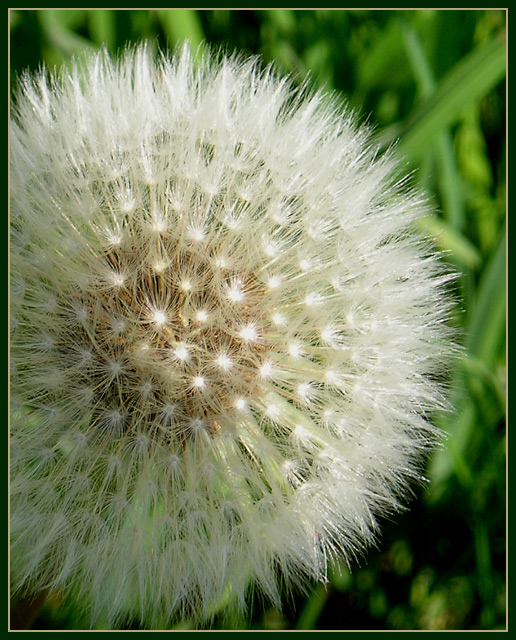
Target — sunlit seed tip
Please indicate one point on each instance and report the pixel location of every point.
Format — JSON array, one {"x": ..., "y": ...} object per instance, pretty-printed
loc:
[
  {"x": 278, "y": 319},
  {"x": 159, "y": 226},
  {"x": 288, "y": 466},
  {"x": 224, "y": 362},
  {"x": 81, "y": 314},
  {"x": 248, "y": 333},
  {"x": 197, "y": 235},
  {"x": 305, "y": 264},
  {"x": 303, "y": 390},
  {"x": 294, "y": 350},
  {"x": 186, "y": 285},
  {"x": 266, "y": 369},
  {"x": 181, "y": 353},
  {"x": 114, "y": 239},
  {"x": 273, "y": 411},
  {"x": 159, "y": 266},
  {"x": 312, "y": 299},
  {"x": 330, "y": 376},
  {"x": 119, "y": 326},
  {"x": 270, "y": 249},
  {"x": 202, "y": 316},
  {"x": 240, "y": 403},
  {"x": 221, "y": 262},
  {"x": 328, "y": 334},
  {"x": 274, "y": 282},
  {"x": 235, "y": 292},
  {"x": 160, "y": 317},
  {"x": 117, "y": 279},
  {"x": 199, "y": 382},
  {"x": 128, "y": 205},
  {"x": 146, "y": 388},
  {"x": 115, "y": 367},
  {"x": 300, "y": 431},
  {"x": 231, "y": 223}
]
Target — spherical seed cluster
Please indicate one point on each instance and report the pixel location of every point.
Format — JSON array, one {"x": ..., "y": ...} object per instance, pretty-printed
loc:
[{"x": 225, "y": 337}]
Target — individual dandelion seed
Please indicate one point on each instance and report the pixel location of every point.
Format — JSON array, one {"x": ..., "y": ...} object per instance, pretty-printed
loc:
[{"x": 226, "y": 336}]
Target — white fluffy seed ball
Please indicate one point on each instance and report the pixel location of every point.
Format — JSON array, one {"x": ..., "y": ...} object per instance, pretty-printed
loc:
[{"x": 226, "y": 337}]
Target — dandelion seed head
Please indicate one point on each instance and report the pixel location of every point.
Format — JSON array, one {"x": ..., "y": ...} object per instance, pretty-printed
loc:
[{"x": 227, "y": 335}]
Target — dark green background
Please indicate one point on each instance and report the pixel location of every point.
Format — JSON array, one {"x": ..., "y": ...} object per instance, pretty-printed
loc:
[{"x": 434, "y": 80}]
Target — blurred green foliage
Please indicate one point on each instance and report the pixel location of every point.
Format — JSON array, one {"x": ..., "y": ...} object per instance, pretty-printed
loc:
[{"x": 433, "y": 80}]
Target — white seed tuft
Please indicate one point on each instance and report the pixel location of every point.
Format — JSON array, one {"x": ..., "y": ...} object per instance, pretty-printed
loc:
[{"x": 227, "y": 335}]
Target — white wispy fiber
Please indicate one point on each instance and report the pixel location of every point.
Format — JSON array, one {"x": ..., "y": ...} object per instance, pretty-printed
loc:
[{"x": 226, "y": 338}]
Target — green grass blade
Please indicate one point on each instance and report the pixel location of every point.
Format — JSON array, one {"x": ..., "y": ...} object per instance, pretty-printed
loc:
[
  {"x": 180, "y": 25},
  {"x": 449, "y": 184},
  {"x": 486, "y": 324},
  {"x": 61, "y": 41},
  {"x": 101, "y": 23},
  {"x": 461, "y": 250},
  {"x": 485, "y": 335},
  {"x": 378, "y": 62},
  {"x": 313, "y": 608},
  {"x": 423, "y": 74},
  {"x": 472, "y": 78}
]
